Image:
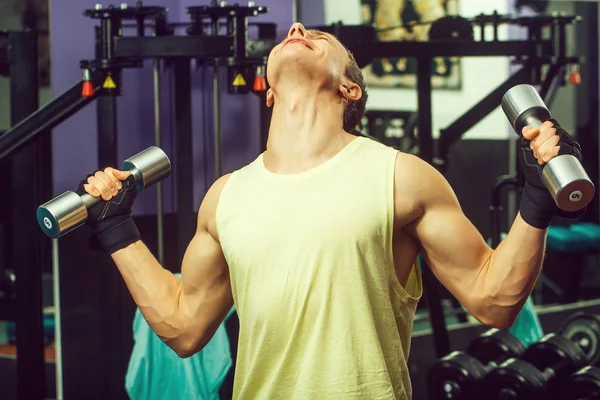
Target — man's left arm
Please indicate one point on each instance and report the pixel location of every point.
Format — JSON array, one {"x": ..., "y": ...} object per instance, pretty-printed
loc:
[{"x": 492, "y": 284}]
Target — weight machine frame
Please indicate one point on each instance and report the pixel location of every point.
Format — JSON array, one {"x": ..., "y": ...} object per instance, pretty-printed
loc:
[
  {"x": 115, "y": 52},
  {"x": 532, "y": 54}
]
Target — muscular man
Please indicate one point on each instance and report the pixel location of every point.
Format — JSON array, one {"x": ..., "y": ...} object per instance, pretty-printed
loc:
[{"x": 316, "y": 243}]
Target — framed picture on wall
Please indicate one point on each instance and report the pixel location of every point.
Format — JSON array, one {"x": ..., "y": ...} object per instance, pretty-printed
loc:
[{"x": 399, "y": 20}]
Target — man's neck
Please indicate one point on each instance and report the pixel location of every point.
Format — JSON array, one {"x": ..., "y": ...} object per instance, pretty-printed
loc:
[{"x": 306, "y": 130}]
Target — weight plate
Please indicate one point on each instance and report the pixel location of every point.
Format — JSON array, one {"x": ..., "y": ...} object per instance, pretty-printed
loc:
[
  {"x": 582, "y": 385},
  {"x": 496, "y": 346},
  {"x": 584, "y": 329},
  {"x": 556, "y": 352},
  {"x": 513, "y": 380},
  {"x": 454, "y": 376},
  {"x": 451, "y": 28}
]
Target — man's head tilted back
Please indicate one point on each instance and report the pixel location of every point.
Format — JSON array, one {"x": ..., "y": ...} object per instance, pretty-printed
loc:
[{"x": 315, "y": 60}]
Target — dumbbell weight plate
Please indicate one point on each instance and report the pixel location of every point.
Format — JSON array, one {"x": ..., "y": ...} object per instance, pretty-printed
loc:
[
  {"x": 557, "y": 353},
  {"x": 513, "y": 380},
  {"x": 554, "y": 350},
  {"x": 62, "y": 214},
  {"x": 451, "y": 28},
  {"x": 584, "y": 329},
  {"x": 496, "y": 345},
  {"x": 149, "y": 167},
  {"x": 582, "y": 385},
  {"x": 455, "y": 376}
]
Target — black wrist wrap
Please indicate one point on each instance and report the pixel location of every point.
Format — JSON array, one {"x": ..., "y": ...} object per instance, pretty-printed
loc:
[
  {"x": 537, "y": 206},
  {"x": 114, "y": 234}
]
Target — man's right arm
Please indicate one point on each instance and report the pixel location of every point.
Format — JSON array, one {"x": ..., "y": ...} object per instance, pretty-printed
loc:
[{"x": 185, "y": 313}]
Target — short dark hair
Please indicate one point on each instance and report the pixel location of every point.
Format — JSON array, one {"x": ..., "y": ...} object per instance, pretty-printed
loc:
[{"x": 355, "y": 109}]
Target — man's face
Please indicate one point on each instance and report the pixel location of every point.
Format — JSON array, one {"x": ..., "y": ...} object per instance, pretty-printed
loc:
[{"x": 316, "y": 54}]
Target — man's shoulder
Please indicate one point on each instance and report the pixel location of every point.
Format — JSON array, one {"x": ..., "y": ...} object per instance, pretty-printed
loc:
[
  {"x": 411, "y": 168},
  {"x": 416, "y": 178},
  {"x": 419, "y": 184}
]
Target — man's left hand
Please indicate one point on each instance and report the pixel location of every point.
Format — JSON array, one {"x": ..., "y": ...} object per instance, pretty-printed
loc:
[
  {"x": 543, "y": 141},
  {"x": 538, "y": 147}
]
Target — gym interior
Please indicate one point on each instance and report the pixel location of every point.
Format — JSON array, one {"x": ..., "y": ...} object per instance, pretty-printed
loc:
[{"x": 86, "y": 85}]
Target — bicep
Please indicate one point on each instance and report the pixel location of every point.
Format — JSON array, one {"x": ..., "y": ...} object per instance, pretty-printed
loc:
[
  {"x": 206, "y": 289},
  {"x": 206, "y": 296},
  {"x": 453, "y": 248}
]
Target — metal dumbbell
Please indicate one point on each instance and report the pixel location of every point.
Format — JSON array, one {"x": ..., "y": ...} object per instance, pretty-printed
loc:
[
  {"x": 68, "y": 211},
  {"x": 538, "y": 374},
  {"x": 457, "y": 375},
  {"x": 564, "y": 176}
]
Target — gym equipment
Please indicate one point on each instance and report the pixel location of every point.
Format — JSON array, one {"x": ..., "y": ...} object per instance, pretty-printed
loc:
[
  {"x": 564, "y": 176},
  {"x": 68, "y": 211},
  {"x": 538, "y": 375},
  {"x": 457, "y": 375},
  {"x": 393, "y": 128},
  {"x": 584, "y": 330},
  {"x": 590, "y": 232},
  {"x": 582, "y": 385},
  {"x": 451, "y": 27}
]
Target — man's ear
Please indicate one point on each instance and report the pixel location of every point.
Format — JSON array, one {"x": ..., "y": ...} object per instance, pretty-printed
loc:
[
  {"x": 350, "y": 91},
  {"x": 270, "y": 98}
]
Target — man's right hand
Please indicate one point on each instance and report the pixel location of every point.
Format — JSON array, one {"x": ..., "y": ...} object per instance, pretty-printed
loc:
[
  {"x": 105, "y": 184},
  {"x": 110, "y": 219}
]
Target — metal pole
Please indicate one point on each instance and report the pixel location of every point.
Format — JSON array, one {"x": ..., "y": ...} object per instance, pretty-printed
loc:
[
  {"x": 295, "y": 11},
  {"x": 157, "y": 141},
  {"x": 184, "y": 161},
  {"x": 217, "y": 121},
  {"x": 29, "y": 168},
  {"x": 57, "y": 317}
]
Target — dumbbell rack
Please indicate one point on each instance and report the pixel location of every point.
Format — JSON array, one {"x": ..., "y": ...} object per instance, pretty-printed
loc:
[
  {"x": 497, "y": 365},
  {"x": 203, "y": 42}
]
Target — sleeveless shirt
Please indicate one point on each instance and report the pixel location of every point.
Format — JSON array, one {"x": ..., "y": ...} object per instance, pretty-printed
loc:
[{"x": 322, "y": 313}]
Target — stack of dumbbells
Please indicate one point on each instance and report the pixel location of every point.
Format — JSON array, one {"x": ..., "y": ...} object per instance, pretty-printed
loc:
[{"x": 498, "y": 366}]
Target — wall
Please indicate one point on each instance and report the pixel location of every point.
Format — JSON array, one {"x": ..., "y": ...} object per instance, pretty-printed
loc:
[
  {"x": 480, "y": 75},
  {"x": 310, "y": 12}
]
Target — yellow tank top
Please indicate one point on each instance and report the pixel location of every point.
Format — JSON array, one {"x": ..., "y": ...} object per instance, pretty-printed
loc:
[{"x": 322, "y": 312}]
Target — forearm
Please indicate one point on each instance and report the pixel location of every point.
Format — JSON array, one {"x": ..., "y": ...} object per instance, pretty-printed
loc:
[
  {"x": 510, "y": 274},
  {"x": 155, "y": 290}
]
